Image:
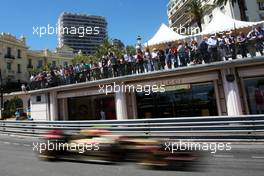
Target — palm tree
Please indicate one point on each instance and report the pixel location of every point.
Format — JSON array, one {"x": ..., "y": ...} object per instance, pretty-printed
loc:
[
  {"x": 108, "y": 47},
  {"x": 130, "y": 49},
  {"x": 103, "y": 49},
  {"x": 84, "y": 58},
  {"x": 197, "y": 10},
  {"x": 241, "y": 5}
]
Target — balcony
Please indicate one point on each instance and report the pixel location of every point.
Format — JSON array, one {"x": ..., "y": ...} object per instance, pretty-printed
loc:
[
  {"x": 9, "y": 56},
  {"x": 30, "y": 66},
  {"x": 10, "y": 72}
]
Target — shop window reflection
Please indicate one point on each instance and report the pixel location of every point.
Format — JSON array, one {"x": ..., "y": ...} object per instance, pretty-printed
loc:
[
  {"x": 179, "y": 101},
  {"x": 255, "y": 95},
  {"x": 92, "y": 108}
]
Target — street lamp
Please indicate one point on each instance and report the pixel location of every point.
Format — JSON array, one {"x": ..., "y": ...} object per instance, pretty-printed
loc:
[{"x": 139, "y": 38}]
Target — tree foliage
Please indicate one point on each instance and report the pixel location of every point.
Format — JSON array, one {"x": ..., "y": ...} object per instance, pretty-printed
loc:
[
  {"x": 197, "y": 10},
  {"x": 131, "y": 49},
  {"x": 84, "y": 58},
  {"x": 106, "y": 47},
  {"x": 109, "y": 47},
  {"x": 10, "y": 107}
]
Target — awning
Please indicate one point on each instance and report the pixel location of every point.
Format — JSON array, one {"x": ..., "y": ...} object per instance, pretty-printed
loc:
[
  {"x": 222, "y": 22},
  {"x": 164, "y": 35}
]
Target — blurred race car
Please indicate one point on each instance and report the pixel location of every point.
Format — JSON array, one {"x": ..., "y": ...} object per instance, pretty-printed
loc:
[
  {"x": 152, "y": 154},
  {"x": 89, "y": 145},
  {"x": 102, "y": 146}
]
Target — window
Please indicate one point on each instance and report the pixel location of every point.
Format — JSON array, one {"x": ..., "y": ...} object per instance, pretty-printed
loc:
[
  {"x": 18, "y": 68},
  {"x": 40, "y": 64},
  {"x": 177, "y": 100},
  {"x": 261, "y": 16},
  {"x": 255, "y": 95},
  {"x": 9, "y": 66},
  {"x": 38, "y": 98},
  {"x": 30, "y": 63},
  {"x": 261, "y": 5},
  {"x": 53, "y": 64},
  {"x": 18, "y": 53},
  {"x": 8, "y": 51},
  {"x": 90, "y": 107}
]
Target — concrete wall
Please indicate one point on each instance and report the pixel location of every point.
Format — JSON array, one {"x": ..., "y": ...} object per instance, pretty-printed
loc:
[{"x": 39, "y": 109}]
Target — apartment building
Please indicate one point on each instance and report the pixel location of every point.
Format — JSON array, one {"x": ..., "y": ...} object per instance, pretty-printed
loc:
[
  {"x": 13, "y": 54},
  {"x": 178, "y": 12},
  {"x": 39, "y": 59},
  {"x": 81, "y": 32},
  {"x": 17, "y": 62}
]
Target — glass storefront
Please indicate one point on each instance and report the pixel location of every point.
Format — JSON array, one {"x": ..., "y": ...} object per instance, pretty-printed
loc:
[
  {"x": 92, "y": 108},
  {"x": 179, "y": 101},
  {"x": 255, "y": 95}
]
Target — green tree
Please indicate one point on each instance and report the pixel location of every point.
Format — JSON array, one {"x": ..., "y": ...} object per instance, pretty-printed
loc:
[
  {"x": 104, "y": 49},
  {"x": 85, "y": 58},
  {"x": 131, "y": 49},
  {"x": 107, "y": 47},
  {"x": 241, "y": 5},
  {"x": 10, "y": 107},
  {"x": 197, "y": 10},
  {"x": 118, "y": 43},
  {"x": 118, "y": 50},
  {"x": 47, "y": 66}
]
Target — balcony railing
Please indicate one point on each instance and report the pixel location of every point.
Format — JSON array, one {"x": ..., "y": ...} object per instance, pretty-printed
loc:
[
  {"x": 7, "y": 56},
  {"x": 30, "y": 66},
  {"x": 12, "y": 72}
]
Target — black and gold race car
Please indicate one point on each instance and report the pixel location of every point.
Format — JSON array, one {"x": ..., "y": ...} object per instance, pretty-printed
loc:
[{"x": 100, "y": 145}]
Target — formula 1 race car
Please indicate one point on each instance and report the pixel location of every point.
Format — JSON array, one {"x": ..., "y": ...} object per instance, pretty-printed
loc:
[
  {"x": 89, "y": 145},
  {"x": 152, "y": 154},
  {"x": 102, "y": 146}
]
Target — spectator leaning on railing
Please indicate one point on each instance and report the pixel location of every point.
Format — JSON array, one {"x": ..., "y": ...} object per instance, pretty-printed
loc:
[{"x": 218, "y": 47}]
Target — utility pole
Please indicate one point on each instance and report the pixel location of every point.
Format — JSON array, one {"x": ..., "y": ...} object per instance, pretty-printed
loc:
[{"x": 1, "y": 95}]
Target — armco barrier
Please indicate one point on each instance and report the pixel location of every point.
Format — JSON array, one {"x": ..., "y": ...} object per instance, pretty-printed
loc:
[{"x": 222, "y": 128}]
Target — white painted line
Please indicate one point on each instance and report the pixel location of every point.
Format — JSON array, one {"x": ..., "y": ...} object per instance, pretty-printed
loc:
[
  {"x": 257, "y": 157},
  {"x": 26, "y": 145},
  {"x": 7, "y": 143},
  {"x": 15, "y": 143},
  {"x": 224, "y": 156}
]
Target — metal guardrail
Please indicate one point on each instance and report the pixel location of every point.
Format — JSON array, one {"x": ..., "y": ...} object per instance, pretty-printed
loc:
[{"x": 221, "y": 128}]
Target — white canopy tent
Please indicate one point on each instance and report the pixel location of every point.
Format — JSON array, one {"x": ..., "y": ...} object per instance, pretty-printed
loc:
[
  {"x": 222, "y": 22},
  {"x": 163, "y": 35}
]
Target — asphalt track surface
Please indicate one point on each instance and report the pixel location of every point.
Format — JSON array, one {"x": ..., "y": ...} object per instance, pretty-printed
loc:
[{"x": 17, "y": 158}]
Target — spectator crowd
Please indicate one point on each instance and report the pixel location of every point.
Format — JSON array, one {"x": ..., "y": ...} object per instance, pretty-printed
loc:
[{"x": 218, "y": 47}]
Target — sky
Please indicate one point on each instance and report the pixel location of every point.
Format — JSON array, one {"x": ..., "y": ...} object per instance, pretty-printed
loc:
[{"x": 126, "y": 18}]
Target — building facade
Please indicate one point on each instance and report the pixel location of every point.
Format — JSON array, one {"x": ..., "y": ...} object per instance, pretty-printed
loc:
[
  {"x": 39, "y": 59},
  {"x": 230, "y": 88},
  {"x": 81, "y": 32},
  {"x": 178, "y": 16},
  {"x": 13, "y": 59},
  {"x": 17, "y": 62}
]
